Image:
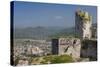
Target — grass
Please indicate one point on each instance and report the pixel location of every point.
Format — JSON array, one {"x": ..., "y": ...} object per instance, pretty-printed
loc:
[{"x": 53, "y": 59}]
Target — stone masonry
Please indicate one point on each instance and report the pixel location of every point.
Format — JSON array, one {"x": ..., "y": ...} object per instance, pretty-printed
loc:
[{"x": 83, "y": 24}]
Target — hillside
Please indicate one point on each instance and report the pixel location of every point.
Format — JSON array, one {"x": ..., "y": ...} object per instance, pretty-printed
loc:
[{"x": 41, "y": 32}]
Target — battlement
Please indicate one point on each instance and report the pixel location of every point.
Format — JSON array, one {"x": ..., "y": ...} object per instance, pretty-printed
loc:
[{"x": 84, "y": 15}]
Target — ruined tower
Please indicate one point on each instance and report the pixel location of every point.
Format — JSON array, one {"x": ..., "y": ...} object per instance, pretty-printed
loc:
[
  {"x": 68, "y": 46},
  {"x": 83, "y": 24}
]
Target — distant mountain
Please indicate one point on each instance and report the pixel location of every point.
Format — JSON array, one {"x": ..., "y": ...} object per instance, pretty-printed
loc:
[
  {"x": 41, "y": 32},
  {"x": 66, "y": 32}
]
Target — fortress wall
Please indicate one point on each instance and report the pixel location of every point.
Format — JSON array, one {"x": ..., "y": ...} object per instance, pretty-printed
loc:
[{"x": 89, "y": 49}]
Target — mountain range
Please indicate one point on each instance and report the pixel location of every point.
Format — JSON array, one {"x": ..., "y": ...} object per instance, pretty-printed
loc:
[{"x": 41, "y": 32}]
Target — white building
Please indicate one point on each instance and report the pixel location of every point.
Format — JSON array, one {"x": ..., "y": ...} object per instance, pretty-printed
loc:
[
  {"x": 37, "y": 51},
  {"x": 22, "y": 62}
]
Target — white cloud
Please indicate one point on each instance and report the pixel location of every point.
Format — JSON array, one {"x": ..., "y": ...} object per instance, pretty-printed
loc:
[{"x": 58, "y": 17}]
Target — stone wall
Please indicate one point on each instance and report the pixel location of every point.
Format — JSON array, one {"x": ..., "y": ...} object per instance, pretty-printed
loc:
[
  {"x": 69, "y": 46},
  {"x": 75, "y": 47},
  {"x": 89, "y": 49}
]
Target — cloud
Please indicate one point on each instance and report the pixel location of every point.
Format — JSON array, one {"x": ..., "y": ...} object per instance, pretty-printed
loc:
[{"x": 58, "y": 17}]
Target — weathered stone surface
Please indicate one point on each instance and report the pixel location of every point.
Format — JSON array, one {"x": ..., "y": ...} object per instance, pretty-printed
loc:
[
  {"x": 89, "y": 49},
  {"x": 83, "y": 24},
  {"x": 69, "y": 46},
  {"x": 76, "y": 48}
]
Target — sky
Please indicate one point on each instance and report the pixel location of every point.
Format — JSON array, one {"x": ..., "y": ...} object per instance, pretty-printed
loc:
[{"x": 32, "y": 14}]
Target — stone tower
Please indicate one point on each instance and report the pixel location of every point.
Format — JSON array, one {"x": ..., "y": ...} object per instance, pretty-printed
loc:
[{"x": 83, "y": 24}]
